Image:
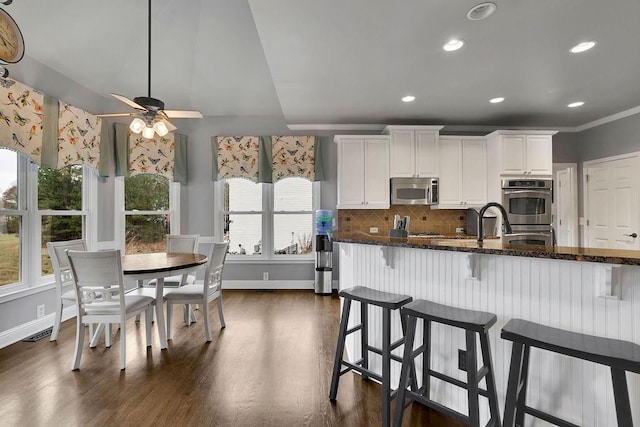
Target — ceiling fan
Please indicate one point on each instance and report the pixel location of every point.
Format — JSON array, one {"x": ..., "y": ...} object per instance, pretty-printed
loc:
[{"x": 150, "y": 116}]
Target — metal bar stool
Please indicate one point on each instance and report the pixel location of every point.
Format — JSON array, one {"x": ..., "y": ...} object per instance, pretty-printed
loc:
[
  {"x": 472, "y": 322},
  {"x": 387, "y": 301},
  {"x": 620, "y": 356}
]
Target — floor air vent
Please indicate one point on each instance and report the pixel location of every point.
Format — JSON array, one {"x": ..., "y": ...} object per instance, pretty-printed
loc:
[{"x": 38, "y": 336}]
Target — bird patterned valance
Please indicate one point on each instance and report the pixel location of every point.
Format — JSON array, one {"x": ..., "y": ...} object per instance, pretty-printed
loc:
[
  {"x": 266, "y": 158},
  {"x": 293, "y": 156},
  {"x": 237, "y": 157},
  {"x": 154, "y": 156},
  {"x": 78, "y": 137},
  {"x": 21, "y": 118}
]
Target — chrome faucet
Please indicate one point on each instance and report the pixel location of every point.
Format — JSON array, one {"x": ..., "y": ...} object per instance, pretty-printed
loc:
[{"x": 507, "y": 226}]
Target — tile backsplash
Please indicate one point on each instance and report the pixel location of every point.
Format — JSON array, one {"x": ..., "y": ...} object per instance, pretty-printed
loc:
[{"x": 423, "y": 219}]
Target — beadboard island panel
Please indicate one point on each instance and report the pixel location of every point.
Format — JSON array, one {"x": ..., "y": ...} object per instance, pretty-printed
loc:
[{"x": 559, "y": 293}]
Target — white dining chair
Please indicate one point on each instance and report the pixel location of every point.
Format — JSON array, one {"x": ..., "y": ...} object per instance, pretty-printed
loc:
[
  {"x": 180, "y": 243},
  {"x": 211, "y": 289},
  {"x": 65, "y": 293},
  {"x": 101, "y": 298}
]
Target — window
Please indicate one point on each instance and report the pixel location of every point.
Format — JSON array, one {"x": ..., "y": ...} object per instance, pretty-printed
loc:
[
  {"x": 268, "y": 221},
  {"x": 60, "y": 208},
  {"x": 37, "y": 205},
  {"x": 148, "y": 212},
  {"x": 10, "y": 219}
]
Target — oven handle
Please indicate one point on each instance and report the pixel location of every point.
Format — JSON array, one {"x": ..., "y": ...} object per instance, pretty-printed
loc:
[
  {"x": 529, "y": 234},
  {"x": 507, "y": 192}
]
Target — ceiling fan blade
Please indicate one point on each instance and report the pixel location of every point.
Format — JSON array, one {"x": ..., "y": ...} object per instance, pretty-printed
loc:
[
  {"x": 129, "y": 102},
  {"x": 115, "y": 115},
  {"x": 169, "y": 125},
  {"x": 183, "y": 114}
]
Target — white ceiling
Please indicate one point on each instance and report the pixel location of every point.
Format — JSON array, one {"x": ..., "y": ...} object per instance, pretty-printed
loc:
[{"x": 337, "y": 61}]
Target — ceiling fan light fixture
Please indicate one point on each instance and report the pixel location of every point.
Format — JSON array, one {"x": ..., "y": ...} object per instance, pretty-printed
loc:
[
  {"x": 160, "y": 128},
  {"x": 137, "y": 125},
  {"x": 148, "y": 132}
]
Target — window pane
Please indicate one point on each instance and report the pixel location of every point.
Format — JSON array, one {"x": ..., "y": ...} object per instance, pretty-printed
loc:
[
  {"x": 146, "y": 193},
  {"x": 60, "y": 189},
  {"x": 244, "y": 233},
  {"x": 242, "y": 195},
  {"x": 8, "y": 179},
  {"x": 292, "y": 233},
  {"x": 146, "y": 233},
  {"x": 55, "y": 229},
  {"x": 9, "y": 249},
  {"x": 292, "y": 194}
]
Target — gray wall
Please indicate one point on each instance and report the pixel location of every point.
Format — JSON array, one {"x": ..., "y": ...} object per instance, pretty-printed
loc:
[{"x": 611, "y": 139}]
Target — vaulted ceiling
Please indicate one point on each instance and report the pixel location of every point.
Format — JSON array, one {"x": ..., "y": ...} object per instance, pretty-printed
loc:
[{"x": 337, "y": 61}]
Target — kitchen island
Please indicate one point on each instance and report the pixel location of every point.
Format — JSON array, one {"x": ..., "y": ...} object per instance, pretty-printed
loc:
[{"x": 591, "y": 291}]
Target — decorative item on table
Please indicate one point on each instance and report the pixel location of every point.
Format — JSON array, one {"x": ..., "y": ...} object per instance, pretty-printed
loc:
[{"x": 400, "y": 227}]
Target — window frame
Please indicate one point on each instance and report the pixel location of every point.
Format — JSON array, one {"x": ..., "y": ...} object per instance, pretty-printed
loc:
[
  {"x": 267, "y": 256},
  {"x": 31, "y": 277},
  {"x": 121, "y": 213}
]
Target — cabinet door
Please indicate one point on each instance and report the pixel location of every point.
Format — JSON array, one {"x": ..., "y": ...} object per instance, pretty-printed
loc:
[
  {"x": 474, "y": 172},
  {"x": 426, "y": 153},
  {"x": 450, "y": 183},
  {"x": 350, "y": 173},
  {"x": 513, "y": 154},
  {"x": 376, "y": 169},
  {"x": 402, "y": 154},
  {"x": 539, "y": 155}
]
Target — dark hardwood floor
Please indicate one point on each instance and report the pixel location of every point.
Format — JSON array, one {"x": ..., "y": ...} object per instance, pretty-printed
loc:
[{"x": 271, "y": 366}]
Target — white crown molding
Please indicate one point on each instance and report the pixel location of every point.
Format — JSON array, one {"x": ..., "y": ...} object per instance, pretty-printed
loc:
[
  {"x": 340, "y": 127},
  {"x": 609, "y": 119}
]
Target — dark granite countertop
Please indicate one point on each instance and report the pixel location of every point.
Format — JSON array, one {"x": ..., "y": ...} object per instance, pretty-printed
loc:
[{"x": 495, "y": 247}]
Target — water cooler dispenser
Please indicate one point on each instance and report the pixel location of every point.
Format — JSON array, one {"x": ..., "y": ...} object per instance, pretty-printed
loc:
[{"x": 324, "y": 252}]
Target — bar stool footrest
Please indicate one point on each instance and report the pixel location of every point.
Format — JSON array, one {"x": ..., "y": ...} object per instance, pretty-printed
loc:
[
  {"x": 455, "y": 381},
  {"x": 548, "y": 417},
  {"x": 361, "y": 370},
  {"x": 437, "y": 406}
]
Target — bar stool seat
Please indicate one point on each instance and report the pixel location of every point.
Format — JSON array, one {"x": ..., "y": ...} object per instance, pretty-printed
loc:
[
  {"x": 387, "y": 301},
  {"x": 472, "y": 322},
  {"x": 619, "y": 355}
]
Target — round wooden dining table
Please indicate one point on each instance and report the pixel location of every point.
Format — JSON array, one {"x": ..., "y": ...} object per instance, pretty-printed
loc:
[{"x": 157, "y": 266}]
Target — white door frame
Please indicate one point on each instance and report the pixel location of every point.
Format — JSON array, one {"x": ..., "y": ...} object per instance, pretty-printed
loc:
[
  {"x": 573, "y": 220},
  {"x": 585, "y": 193}
]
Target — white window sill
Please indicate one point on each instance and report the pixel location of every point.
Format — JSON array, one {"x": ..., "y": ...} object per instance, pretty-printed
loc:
[
  {"x": 21, "y": 291},
  {"x": 250, "y": 259}
]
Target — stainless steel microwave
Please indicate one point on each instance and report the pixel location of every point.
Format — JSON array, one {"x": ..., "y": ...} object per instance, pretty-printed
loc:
[{"x": 414, "y": 191}]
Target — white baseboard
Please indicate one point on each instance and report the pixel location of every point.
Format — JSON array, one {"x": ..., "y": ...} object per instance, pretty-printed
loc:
[
  {"x": 267, "y": 284},
  {"x": 25, "y": 330}
]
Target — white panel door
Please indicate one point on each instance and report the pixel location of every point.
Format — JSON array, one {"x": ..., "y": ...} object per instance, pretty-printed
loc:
[
  {"x": 376, "y": 166},
  {"x": 450, "y": 184},
  {"x": 613, "y": 215},
  {"x": 513, "y": 154},
  {"x": 402, "y": 154},
  {"x": 426, "y": 153},
  {"x": 474, "y": 172},
  {"x": 351, "y": 173},
  {"x": 539, "y": 155}
]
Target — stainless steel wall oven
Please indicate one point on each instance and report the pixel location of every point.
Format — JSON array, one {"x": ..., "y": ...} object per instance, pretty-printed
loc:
[{"x": 528, "y": 201}]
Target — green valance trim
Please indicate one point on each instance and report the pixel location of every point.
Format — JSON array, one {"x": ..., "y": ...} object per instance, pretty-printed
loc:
[
  {"x": 265, "y": 172},
  {"x": 180, "y": 159},
  {"x": 121, "y": 143},
  {"x": 106, "y": 150},
  {"x": 50, "y": 132},
  {"x": 319, "y": 165}
]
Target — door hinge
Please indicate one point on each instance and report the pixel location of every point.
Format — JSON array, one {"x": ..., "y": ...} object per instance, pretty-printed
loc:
[
  {"x": 560, "y": 222},
  {"x": 559, "y": 184},
  {"x": 587, "y": 223},
  {"x": 587, "y": 177}
]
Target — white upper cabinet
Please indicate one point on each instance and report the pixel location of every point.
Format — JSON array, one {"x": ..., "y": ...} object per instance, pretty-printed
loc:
[
  {"x": 413, "y": 151},
  {"x": 463, "y": 172},
  {"x": 523, "y": 153},
  {"x": 363, "y": 171}
]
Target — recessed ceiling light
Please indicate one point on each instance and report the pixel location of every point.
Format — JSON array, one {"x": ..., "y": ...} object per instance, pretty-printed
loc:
[
  {"x": 583, "y": 47},
  {"x": 408, "y": 98},
  {"x": 453, "y": 44},
  {"x": 496, "y": 100},
  {"x": 576, "y": 104},
  {"x": 481, "y": 11}
]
